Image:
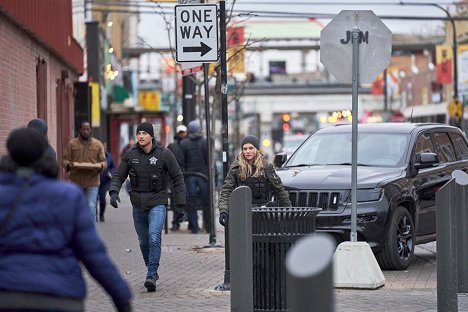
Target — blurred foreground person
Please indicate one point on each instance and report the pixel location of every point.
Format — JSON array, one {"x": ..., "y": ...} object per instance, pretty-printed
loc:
[
  {"x": 149, "y": 164},
  {"x": 46, "y": 233},
  {"x": 251, "y": 169},
  {"x": 40, "y": 125}
]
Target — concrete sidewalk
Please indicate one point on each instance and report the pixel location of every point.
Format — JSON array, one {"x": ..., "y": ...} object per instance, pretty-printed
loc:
[{"x": 189, "y": 274}]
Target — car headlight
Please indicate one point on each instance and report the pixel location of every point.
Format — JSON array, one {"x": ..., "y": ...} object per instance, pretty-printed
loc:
[{"x": 367, "y": 195}]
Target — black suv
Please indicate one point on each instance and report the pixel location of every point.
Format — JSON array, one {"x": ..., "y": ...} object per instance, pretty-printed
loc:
[{"x": 400, "y": 168}]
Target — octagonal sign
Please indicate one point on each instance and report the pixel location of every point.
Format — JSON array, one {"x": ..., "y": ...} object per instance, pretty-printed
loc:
[{"x": 375, "y": 45}]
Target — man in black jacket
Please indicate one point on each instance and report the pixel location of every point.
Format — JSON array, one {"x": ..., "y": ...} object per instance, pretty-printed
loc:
[
  {"x": 148, "y": 166},
  {"x": 177, "y": 214},
  {"x": 195, "y": 168}
]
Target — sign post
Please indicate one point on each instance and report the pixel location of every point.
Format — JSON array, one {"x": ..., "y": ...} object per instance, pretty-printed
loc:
[
  {"x": 355, "y": 47},
  {"x": 196, "y": 29}
]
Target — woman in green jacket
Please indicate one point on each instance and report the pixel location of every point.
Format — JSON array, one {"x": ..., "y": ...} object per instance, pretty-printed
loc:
[{"x": 251, "y": 169}]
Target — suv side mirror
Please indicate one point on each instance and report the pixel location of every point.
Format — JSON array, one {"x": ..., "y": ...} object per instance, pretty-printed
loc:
[
  {"x": 426, "y": 160},
  {"x": 280, "y": 159}
]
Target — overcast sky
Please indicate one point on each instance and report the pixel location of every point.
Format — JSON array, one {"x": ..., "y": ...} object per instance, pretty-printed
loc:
[{"x": 152, "y": 25}]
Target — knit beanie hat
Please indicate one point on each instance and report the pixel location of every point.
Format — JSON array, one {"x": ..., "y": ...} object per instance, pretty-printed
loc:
[
  {"x": 26, "y": 146},
  {"x": 147, "y": 127},
  {"x": 38, "y": 125},
  {"x": 252, "y": 139},
  {"x": 194, "y": 126}
]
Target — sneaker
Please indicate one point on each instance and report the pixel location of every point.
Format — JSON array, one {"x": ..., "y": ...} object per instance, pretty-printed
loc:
[
  {"x": 150, "y": 283},
  {"x": 175, "y": 227}
]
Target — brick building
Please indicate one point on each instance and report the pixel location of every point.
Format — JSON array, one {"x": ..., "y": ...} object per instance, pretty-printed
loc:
[{"x": 39, "y": 62}]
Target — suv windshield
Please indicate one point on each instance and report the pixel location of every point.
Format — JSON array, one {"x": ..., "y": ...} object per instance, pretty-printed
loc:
[{"x": 374, "y": 149}]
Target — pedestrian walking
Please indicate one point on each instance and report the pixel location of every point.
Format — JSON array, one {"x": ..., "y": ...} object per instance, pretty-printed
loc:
[
  {"x": 177, "y": 215},
  {"x": 148, "y": 166},
  {"x": 106, "y": 176},
  {"x": 130, "y": 144},
  {"x": 46, "y": 235},
  {"x": 195, "y": 166},
  {"x": 84, "y": 158},
  {"x": 125, "y": 149},
  {"x": 41, "y": 126},
  {"x": 251, "y": 169}
]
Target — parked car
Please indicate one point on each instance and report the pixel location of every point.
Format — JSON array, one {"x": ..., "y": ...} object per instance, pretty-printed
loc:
[{"x": 401, "y": 166}]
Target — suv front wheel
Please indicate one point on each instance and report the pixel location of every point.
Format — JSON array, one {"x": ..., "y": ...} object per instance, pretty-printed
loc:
[{"x": 399, "y": 246}]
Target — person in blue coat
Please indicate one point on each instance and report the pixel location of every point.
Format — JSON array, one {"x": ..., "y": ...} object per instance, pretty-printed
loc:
[{"x": 46, "y": 234}]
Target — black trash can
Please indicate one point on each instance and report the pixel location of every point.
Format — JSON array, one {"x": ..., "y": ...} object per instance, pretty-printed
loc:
[{"x": 274, "y": 230}]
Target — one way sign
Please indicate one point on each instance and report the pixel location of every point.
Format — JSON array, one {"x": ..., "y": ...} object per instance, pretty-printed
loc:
[{"x": 196, "y": 33}]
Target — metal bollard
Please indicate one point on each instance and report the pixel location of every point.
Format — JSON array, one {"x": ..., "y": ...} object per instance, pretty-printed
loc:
[
  {"x": 240, "y": 253},
  {"x": 447, "y": 280},
  {"x": 309, "y": 280},
  {"x": 462, "y": 239},
  {"x": 461, "y": 200}
]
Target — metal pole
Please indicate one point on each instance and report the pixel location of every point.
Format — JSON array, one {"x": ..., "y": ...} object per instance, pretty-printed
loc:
[
  {"x": 240, "y": 219},
  {"x": 208, "y": 146},
  {"x": 188, "y": 98},
  {"x": 355, "y": 91},
  {"x": 462, "y": 237},
  {"x": 224, "y": 130},
  {"x": 385, "y": 95},
  {"x": 447, "y": 284},
  {"x": 224, "y": 103}
]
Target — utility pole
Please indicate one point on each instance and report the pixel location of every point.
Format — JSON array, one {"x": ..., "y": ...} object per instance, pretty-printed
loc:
[
  {"x": 188, "y": 98},
  {"x": 225, "y": 137}
]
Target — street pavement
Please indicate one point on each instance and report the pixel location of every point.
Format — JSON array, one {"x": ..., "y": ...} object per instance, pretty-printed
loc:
[{"x": 189, "y": 273}]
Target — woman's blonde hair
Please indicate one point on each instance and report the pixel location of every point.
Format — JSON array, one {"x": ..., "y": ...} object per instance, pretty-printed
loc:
[{"x": 246, "y": 170}]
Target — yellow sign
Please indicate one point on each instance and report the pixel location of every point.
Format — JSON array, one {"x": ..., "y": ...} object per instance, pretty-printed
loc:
[
  {"x": 149, "y": 99},
  {"x": 236, "y": 60},
  {"x": 95, "y": 105},
  {"x": 455, "y": 109}
]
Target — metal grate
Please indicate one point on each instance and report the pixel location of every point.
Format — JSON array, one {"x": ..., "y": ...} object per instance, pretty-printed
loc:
[
  {"x": 274, "y": 230},
  {"x": 302, "y": 199},
  {"x": 325, "y": 200}
]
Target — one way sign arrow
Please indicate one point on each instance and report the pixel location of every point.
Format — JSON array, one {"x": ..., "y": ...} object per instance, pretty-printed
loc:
[{"x": 203, "y": 49}]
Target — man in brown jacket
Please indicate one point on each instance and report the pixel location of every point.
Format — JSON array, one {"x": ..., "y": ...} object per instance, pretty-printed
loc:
[{"x": 85, "y": 158}]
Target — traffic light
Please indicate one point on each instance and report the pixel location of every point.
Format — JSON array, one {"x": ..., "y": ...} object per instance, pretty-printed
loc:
[{"x": 286, "y": 122}]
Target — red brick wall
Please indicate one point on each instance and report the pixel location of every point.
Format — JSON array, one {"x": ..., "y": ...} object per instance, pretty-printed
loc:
[{"x": 18, "y": 57}]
